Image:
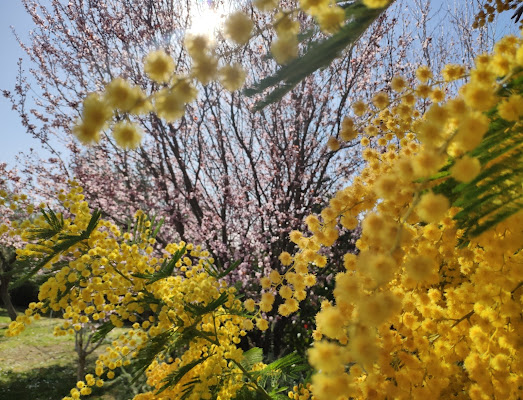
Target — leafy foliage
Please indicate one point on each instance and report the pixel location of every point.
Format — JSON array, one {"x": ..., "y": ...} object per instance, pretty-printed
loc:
[
  {"x": 148, "y": 353},
  {"x": 174, "y": 378},
  {"x": 102, "y": 331},
  {"x": 165, "y": 270},
  {"x": 496, "y": 193},
  {"x": 55, "y": 225},
  {"x": 318, "y": 54},
  {"x": 144, "y": 226},
  {"x": 62, "y": 243}
]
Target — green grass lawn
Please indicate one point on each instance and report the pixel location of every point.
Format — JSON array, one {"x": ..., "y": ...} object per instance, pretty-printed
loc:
[{"x": 36, "y": 365}]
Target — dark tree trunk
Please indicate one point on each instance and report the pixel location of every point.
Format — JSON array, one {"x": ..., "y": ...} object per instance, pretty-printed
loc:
[
  {"x": 6, "y": 298},
  {"x": 7, "y": 260},
  {"x": 80, "y": 370},
  {"x": 82, "y": 354}
]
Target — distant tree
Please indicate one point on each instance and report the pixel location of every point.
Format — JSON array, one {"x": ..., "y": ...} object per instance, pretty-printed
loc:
[
  {"x": 12, "y": 211},
  {"x": 7, "y": 260}
]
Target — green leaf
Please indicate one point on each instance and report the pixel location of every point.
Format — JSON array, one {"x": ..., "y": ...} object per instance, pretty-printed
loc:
[
  {"x": 172, "y": 380},
  {"x": 319, "y": 55},
  {"x": 290, "y": 363},
  {"x": 64, "y": 242},
  {"x": 199, "y": 310},
  {"x": 93, "y": 222},
  {"x": 55, "y": 226},
  {"x": 287, "y": 368},
  {"x": 231, "y": 267},
  {"x": 188, "y": 388},
  {"x": 166, "y": 269},
  {"x": 251, "y": 357},
  {"x": 499, "y": 185},
  {"x": 499, "y": 217},
  {"x": 156, "y": 229},
  {"x": 147, "y": 354},
  {"x": 495, "y": 194},
  {"x": 216, "y": 270},
  {"x": 102, "y": 331}
]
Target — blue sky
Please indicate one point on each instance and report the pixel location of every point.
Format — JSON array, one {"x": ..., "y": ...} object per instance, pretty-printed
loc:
[{"x": 13, "y": 136}]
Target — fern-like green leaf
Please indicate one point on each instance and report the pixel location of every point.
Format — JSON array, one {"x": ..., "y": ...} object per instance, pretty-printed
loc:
[
  {"x": 175, "y": 377},
  {"x": 188, "y": 388},
  {"x": 318, "y": 55},
  {"x": 64, "y": 243},
  {"x": 102, "y": 331},
  {"x": 147, "y": 354},
  {"x": 165, "y": 270},
  {"x": 55, "y": 225},
  {"x": 251, "y": 357},
  {"x": 497, "y": 192},
  {"x": 200, "y": 310}
]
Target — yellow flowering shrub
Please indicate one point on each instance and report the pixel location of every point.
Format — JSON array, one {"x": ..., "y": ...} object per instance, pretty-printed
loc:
[
  {"x": 183, "y": 317},
  {"x": 426, "y": 310}
]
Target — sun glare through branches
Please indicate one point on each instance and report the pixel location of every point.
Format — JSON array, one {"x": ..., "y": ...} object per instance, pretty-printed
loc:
[{"x": 207, "y": 16}]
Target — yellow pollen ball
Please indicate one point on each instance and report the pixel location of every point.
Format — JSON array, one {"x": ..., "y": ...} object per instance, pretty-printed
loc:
[
  {"x": 86, "y": 135},
  {"x": 249, "y": 305},
  {"x": 327, "y": 356},
  {"x": 127, "y": 135},
  {"x": 330, "y": 322},
  {"x": 465, "y": 169},
  {"x": 380, "y": 100},
  {"x": 285, "y": 25},
  {"x": 479, "y": 97},
  {"x": 314, "y": 7},
  {"x": 232, "y": 77},
  {"x": 398, "y": 84},
  {"x": 359, "y": 108},
  {"x": 512, "y": 108},
  {"x": 386, "y": 186},
  {"x": 262, "y": 324},
  {"x": 285, "y": 258},
  {"x": 421, "y": 268},
  {"x": 375, "y": 3},
  {"x": 331, "y": 19},
  {"x": 432, "y": 207},
  {"x": 238, "y": 28},
  {"x": 423, "y": 74},
  {"x": 333, "y": 144},
  {"x": 265, "y": 5},
  {"x": 471, "y": 129},
  {"x": 380, "y": 267},
  {"x": 205, "y": 69},
  {"x": 363, "y": 349},
  {"x": 168, "y": 105},
  {"x": 159, "y": 66},
  {"x": 285, "y": 48},
  {"x": 119, "y": 94}
]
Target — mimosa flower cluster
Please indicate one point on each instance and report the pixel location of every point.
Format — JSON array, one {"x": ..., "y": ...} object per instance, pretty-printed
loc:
[
  {"x": 492, "y": 7},
  {"x": 416, "y": 315},
  {"x": 174, "y": 91},
  {"x": 115, "y": 278}
]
